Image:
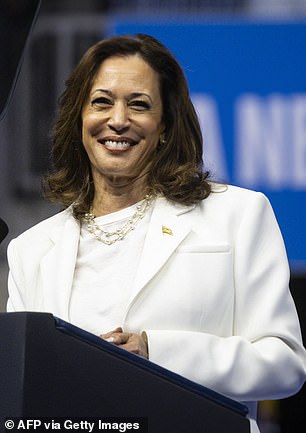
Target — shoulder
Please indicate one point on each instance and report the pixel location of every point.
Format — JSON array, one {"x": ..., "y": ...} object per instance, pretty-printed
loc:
[
  {"x": 225, "y": 202},
  {"x": 233, "y": 207},
  {"x": 234, "y": 198},
  {"x": 44, "y": 229},
  {"x": 230, "y": 192},
  {"x": 26, "y": 251}
]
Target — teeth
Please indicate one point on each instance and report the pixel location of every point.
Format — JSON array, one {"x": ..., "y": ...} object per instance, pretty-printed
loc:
[{"x": 117, "y": 144}]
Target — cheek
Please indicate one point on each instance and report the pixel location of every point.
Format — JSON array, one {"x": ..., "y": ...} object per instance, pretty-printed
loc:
[
  {"x": 152, "y": 129},
  {"x": 91, "y": 125}
]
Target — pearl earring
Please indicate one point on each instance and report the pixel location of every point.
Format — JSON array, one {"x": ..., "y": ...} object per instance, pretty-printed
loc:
[{"x": 162, "y": 139}]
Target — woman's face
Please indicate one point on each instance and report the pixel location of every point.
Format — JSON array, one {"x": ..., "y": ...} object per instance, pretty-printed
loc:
[{"x": 122, "y": 118}]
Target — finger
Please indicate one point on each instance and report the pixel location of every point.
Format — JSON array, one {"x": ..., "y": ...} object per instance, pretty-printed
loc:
[
  {"x": 110, "y": 333},
  {"x": 137, "y": 350},
  {"x": 137, "y": 345},
  {"x": 117, "y": 338}
]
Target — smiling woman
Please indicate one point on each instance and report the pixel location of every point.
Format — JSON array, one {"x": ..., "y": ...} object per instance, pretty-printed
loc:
[
  {"x": 149, "y": 253},
  {"x": 122, "y": 125},
  {"x": 134, "y": 81}
]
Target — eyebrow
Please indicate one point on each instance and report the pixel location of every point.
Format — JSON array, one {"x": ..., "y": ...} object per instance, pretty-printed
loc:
[{"x": 131, "y": 95}]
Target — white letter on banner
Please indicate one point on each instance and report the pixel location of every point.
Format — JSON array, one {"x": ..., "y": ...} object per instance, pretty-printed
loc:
[
  {"x": 207, "y": 111},
  {"x": 299, "y": 140},
  {"x": 261, "y": 139}
]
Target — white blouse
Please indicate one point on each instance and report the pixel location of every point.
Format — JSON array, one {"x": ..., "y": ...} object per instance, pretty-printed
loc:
[{"x": 104, "y": 274}]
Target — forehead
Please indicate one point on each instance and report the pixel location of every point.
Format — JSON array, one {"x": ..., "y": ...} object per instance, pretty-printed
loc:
[{"x": 128, "y": 72}]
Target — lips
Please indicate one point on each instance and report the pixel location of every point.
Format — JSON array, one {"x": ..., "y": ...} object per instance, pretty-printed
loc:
[{"x": 117, "y": 143}]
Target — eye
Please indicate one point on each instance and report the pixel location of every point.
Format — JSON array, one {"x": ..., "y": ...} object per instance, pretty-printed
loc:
[
  {"x": 140, "y": 105},
  {"x": 101, "y": 101}
]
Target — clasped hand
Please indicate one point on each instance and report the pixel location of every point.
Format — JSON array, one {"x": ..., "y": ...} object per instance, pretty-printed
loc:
[{"x": 134, "y": 343}]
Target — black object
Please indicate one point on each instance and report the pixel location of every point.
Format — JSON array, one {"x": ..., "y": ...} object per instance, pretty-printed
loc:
[
  {"x": 292, "y": 411},
  {"x": 17, "y": 18},
  {"x": 49, "y": 368},
  {"x": 3, "y": 230}
]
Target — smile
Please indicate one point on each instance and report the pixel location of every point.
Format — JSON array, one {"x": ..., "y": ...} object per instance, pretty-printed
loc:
[{"x": 117, "y": 144}]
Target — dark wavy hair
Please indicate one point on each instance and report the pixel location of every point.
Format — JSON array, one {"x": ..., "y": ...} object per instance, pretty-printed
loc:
[{"x": 176, "y": 168}]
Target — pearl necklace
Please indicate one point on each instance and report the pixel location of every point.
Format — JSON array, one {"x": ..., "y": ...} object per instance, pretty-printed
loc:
[{"x": 110, "y": 238}]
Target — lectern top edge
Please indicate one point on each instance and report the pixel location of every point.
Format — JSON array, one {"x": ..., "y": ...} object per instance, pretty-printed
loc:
[{"x": 143, "y": 363}]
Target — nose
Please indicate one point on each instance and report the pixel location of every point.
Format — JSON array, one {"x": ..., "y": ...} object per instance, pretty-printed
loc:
[{"x": 119, "y": 119}]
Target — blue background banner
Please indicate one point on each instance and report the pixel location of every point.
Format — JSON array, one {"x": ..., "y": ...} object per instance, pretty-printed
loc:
[{"x": 248, "y": 84}]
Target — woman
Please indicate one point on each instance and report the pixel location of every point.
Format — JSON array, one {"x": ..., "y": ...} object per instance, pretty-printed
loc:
[{"x": 149, "y": 253}]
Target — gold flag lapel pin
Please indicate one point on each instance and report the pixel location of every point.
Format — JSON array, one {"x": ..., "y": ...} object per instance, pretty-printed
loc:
[{"x": 167, "y": 231}]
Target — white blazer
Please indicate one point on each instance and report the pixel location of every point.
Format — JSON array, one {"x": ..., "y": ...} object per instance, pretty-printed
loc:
[{"x": 211, "y": 292}]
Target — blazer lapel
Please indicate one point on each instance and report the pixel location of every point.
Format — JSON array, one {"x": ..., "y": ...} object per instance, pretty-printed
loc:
[
  {"x": 166, "y": 232},
  {"x": 58, "y": 266}
]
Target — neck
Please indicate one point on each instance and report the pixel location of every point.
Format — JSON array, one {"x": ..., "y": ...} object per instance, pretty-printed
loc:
[{"x": 111, "y": 198}]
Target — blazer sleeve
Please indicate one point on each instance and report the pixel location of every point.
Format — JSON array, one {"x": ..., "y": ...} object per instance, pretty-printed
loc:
[
  {"x": 15, "y": 301},
  {"x": 264, "y": 357}
]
